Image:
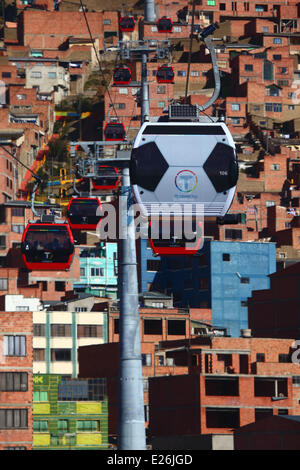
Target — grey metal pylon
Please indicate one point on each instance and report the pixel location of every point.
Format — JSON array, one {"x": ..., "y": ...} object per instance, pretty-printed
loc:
[
  {"x": 131, "y": 432},
  {"x": 149, "y": 10}
]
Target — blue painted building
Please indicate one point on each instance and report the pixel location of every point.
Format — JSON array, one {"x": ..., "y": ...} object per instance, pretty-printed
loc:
[
  {"x": 221, "y": 276},
  {"x": 99, "y": 270}
]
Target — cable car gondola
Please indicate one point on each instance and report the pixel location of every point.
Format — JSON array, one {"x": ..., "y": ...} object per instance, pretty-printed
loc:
[
  {"x": 191, "y": 164},
  {"x": 164, "y": 25},
  {"x": 127, "y": 24},
  {"x": 165, "y": 74},
  {"x": 122, "y": 75},
  {"x": 177, "y": 244},
  {"x": 108, "y": 178},
  {"x": 47, "y": 246},
  {"x": 114, "y": 131},
  {"x": 82, "y": 213}
]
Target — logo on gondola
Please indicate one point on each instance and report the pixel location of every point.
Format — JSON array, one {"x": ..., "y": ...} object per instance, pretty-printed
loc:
[{"x": 186, "y": 181}]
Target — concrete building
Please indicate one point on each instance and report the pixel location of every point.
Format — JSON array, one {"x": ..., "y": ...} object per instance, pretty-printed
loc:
[
  {"x": 227, "y": 386},
  {"x": 69, "y": 414},
  {"x": 49, "y": 79},
  {"x": 59, "y": 333},
  {"x": 221, "y": 277},
  {"x": 99, "y": 270}
]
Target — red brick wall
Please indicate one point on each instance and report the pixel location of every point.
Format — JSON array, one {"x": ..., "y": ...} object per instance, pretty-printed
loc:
[{"x": 17, "y": 323}]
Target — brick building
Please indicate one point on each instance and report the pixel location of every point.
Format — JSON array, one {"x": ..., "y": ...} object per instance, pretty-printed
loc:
[
  {"x": 227, "y": 387},
  {"x": 16, "y": 380},
  {"x": 274, "y": 312}
]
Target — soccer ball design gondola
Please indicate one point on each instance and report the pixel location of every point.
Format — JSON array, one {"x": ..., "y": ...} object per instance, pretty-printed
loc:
[{"x": 188, "y": 164}]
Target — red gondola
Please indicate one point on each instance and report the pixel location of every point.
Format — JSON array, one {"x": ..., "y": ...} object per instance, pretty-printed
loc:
[
  {"x": 127, "y": 24},
  {"x": 165, "y": 74},
  {"x": 122, "y": 75},
  {"x": 176, "y": 246},
  {"x": 47, "y": 246},
  {"x": 82, "y": 213},
  {"x": 164, "y": 25},
  {"x": 114, "y": 131},
  {"x": 108, "y": 178}
]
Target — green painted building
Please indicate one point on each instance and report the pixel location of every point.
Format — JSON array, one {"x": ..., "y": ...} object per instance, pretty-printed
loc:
[{"x": 69, "y": 414}]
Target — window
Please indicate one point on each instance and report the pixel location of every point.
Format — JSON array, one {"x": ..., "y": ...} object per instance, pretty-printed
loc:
[
  {"x": 283, "y": 70},
  {"x": 222, "y": 6},
  {"x": 107, "y": 21},
  {"x": 291, "y": 107},
  {"x": 211, "y": 3},
  {"x": 51, "y": 74},
  {"x": 177, "y": 29},
  {"x": 81, "y": 309},
  {"x": 61, "y": 354},
  {"x": 176, "y": 327},
  {"x": 2, "y": 242},
  {"x": 82, "y": 272},
  {"x": 282, "y": 82},
  {"x": 14, "y": 345},
  {"x": 233, "y": 234},
  {"x": 245, "y": 280},
  {"x": 17, "y": 211},
  {"x": 21, "y": 97},
  {"x": 3, "y": 284},
  {"x": 153, "y": 265},
  {"x": 6, "y": 74},
  {"x": 39, "y": 355},
  {"x": 235, "y": 107},
  {"x": 249, "y": 67},
  {"x": 40, "y": 426},
  {"x": 97, "y": 272},
  {"x": 161, "y": 104},
  {"x": 261, "y": 7},
  {"x": 123, "y": 91},
  {"x": 146, "y": 360},
  {"x": 60, "y": 330},
  {"x": 89, "y": 331},
  {"x": 13, "y": 418},
  {"x": 40, "y": 395},
  {"x": 88, "y": 426},
  {"x": 36, "y": 75},
  {"x": 283, "y": 411},
  {"x": 63, "y": 425},
  {"x": 22, "y": 308},
  {"x": 246, "y": 6},
  {"x": 277, "y": 56},
  {"x": 282, "y": 255},
  {"x": 235, "y": 121},
  {"x": 222, "y": 417},
  {"x": 284, "y": 358},
  {"x": 17, "y": 228},
  {"x": 244, "y": 303},
  {"x": 262, "y": 413},
  {"x": 292, "y": 95},
  {"x": 265, "y": 29},
  {"x": 14, "y": 381},
  {"x": 152, "y": 327},
  {"x": 277, "y": 41},
  {"x": 120, "y": 105},
  {"x": 39, "y": 329},
  {"x": 260, "y": 357},
  {"x": 60, "y": 286},
  {"x": 195, "y": 73},
  {"x": 203, "y": 283},
  {"x": 270, "y": 203},
  {"x": 154, "y": 29},
  {"x": 275, "y": 166},
  {"x": 226, "y": 257},
  {"x": 161, "y": 89}
]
